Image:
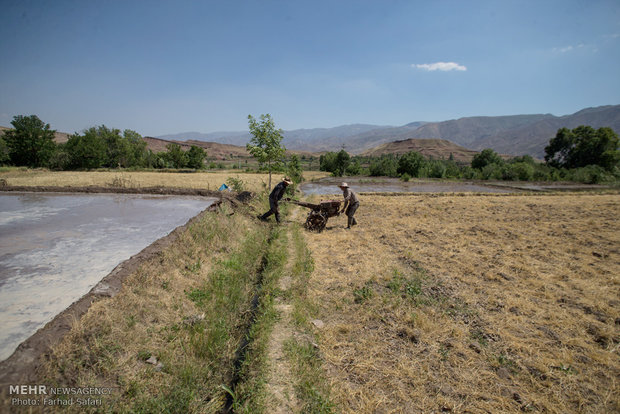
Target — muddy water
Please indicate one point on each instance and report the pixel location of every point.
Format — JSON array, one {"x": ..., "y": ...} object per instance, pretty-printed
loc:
[
  {"x": 55, "y": 248},
  {"x": 394, "y": 185}
]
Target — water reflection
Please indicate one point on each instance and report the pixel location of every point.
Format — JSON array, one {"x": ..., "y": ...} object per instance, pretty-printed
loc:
[{"x": 55, "y": 248}]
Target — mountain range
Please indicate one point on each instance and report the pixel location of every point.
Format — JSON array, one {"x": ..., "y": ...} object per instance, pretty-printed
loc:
[{"x": 513, "y": 134}]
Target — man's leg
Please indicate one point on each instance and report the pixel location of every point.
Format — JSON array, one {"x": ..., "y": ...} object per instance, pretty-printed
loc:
[
  {"x": 277, "y": 213},
  {"x": 273, "y": 204},
  {"x": 350, "y": 214},
  {"x": 273, "y": 208}
]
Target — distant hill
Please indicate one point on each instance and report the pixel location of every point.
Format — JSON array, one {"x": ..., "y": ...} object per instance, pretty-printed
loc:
[
  {"x": 533, "y": 138},
  {"x": 518, "y": 134},
  {"x": 435, "y": 148},
  {"x": 311, "y": 140},
  {"x": 214, "y": 149},
  {"x": 513, "y": 134}
]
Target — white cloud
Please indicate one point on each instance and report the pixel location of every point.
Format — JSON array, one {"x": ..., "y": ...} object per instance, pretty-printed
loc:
[
  {"x": 575, "y": 48},
  {"x": 442, "y": 66}
]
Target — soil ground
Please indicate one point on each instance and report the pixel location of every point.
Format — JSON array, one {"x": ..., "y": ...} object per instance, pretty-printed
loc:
[{"x": 478, "y": 303}]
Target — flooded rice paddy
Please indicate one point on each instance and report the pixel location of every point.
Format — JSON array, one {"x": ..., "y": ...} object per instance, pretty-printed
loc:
[
  {"x": 55, "y": 247},
  {"x": 394, "y": 185}
]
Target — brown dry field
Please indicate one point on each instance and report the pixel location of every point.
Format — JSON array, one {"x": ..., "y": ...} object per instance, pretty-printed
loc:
[
  {"x": 204, "y": 180},
  {"x": 472, "y": 304}
]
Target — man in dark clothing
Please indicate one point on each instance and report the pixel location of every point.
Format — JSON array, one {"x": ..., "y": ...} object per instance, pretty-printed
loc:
[
  {"x": 351, "y": 203},
  {"x": 274, "y": 197}
]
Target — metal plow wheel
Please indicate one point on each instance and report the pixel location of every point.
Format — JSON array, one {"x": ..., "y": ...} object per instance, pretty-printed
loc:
[{"x": 316, "y": 221}]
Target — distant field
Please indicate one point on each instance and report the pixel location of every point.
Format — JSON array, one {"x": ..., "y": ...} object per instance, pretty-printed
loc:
[
  {"x": 204, "y": 180},
  {"x": 472, "y": 304}
]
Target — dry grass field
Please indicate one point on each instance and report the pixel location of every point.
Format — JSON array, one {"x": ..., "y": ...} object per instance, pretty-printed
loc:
[
  {"x": 204, "y": 180},
  {"x": 472, "y": 304}
]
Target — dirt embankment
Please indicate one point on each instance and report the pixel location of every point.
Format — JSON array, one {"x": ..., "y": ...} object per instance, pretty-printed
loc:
[{"x": 22, "y": 366}]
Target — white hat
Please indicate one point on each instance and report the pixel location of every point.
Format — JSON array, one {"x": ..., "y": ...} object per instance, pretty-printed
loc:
[{"x": 344, "y": 185}]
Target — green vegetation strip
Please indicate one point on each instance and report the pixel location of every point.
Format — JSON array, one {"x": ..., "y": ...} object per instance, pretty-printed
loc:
[
  {"x": 311, "y": 388},
  {"x": 197, "y": 380},
  {"x": 248, "y": 392}
]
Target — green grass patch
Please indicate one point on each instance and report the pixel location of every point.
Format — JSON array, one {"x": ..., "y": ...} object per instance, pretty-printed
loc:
[
  {"x": 249, "y": 394},
  {"x": 311, "y": 387}
]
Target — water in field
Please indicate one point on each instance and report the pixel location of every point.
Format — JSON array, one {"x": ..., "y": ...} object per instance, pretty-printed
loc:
[
  {"x": 394, "y": 185},
  {"x": 55, "y": 247}
]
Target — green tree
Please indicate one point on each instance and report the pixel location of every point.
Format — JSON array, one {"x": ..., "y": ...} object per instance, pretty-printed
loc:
[
  {"x": 266, "y": 142},
  {"x": 583, "y": 146},
  {"x": 175, "y": 155},
  {"x": 60, "y": 160},
  {"x": 117, "y": 148},
  {"x": 294, "y": 170},
  {"x": 524, "y": 171},
  {"x": 4, "y": 152},
  {"x": 101, "y": 146},
  {"x": 343, "y": 159},
  {"x": 354, "y": 168},
  {"x": 524, "y": 158},
  {"x": 86, "y": 151},
  {"x": 137, "y": 155},
  {"x": 31, "y": 142},
  {"x": 557, "y": 153},
  {"x": 196, "y": 157},
  {"x": 327, "y": 162},
  {"x": 386, "y": 165},
  {"x": 411, "y": 163},
  {"x": 436, "y": 169},
  {"x": 484, "y": 158}
]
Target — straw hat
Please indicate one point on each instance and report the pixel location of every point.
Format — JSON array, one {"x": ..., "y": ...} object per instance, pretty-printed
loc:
[
  {"x": 287, "y": 181},
  {"x": 344, "y": 185}
]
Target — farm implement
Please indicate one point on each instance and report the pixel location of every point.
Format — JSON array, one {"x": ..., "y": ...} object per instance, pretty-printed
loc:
[{"x": 319, "y": 213}]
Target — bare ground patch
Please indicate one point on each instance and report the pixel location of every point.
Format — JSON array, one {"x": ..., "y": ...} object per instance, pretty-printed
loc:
[{"x": 472, "y": 304}]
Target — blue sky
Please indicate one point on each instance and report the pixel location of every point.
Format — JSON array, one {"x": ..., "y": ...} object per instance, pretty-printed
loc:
[{"x": 162, "y": 67}]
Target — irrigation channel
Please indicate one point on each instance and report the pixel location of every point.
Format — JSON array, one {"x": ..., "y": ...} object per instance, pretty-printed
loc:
[{"x": 55, "y": 247}]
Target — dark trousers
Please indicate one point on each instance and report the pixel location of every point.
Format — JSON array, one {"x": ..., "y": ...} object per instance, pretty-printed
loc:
[
  {"x": 350, "y": 211},
  {"x": 273, "y": 209}
]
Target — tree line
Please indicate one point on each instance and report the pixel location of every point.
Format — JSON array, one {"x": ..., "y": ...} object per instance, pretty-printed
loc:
[
  {"x": 31, "y": 143},
  {"x": 583, "y": 154}
]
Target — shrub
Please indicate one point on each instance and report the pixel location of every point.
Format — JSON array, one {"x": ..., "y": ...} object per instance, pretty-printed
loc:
[
  {"x": 523, "y": 171},
  {"x": 384, "y": 166},
  {"x": 236, "y": 184}
]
